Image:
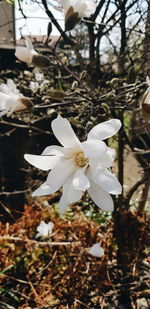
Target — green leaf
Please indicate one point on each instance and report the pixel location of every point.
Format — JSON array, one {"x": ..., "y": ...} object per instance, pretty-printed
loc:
[{"x": 5, "y": 269}]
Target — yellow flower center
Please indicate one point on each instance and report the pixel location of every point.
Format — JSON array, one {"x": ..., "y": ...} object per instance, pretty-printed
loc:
[{"x": 80, "y": 159}]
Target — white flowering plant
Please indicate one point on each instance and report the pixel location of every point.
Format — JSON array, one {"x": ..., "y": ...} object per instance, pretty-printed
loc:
[
  {"x": 84, "y": 164},
  {"x": 77, "y": 166},
  {"x": 11, "y": 100}
]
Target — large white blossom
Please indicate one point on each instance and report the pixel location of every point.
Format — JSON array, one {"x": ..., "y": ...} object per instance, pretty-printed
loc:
[
  {"x": 79, "y": 166},
  {"x": 75, "y": 10},
  {"x": 84, "y": 8},
  {"x": 11, "y": 100},
  {"x": 44, "y": 229},
  {"x": 29, "y": 55}
]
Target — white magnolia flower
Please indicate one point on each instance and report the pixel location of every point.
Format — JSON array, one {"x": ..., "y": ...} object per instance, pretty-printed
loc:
[
  {"x": 75, "y": 10},
  {"x": 30, "y": 56},
  {"x": 44, "y": 229},
  {"x": 79, "y": 166},
  {"x": 96, "y": 250},
  {"x": 11, "y": 100}
]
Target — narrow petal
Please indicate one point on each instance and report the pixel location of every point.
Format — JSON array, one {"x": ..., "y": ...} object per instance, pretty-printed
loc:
[
  {"x": 12, "y": 86},
  {"x": 100, "y": 197},
  {"x": 24, "y": 54},
  {"x": 105, "y": 129},
  {"x": 65, "y": 134},
  {"x": 58, "y": 151},
  {"x": 44, "y": 189},
  {"x": 43, "y": 162},
  {"x": 111, "y": 153},
  {"x": 29, "y": 44},
  {"x": 106, "y": 180},
  {"x": 60, "y": 173},
  {"x": 80, "y": 180},
  {"x": 69, "y": 195},
  {"x": 93, "y": 148},
  {"x": 4, "y": 112}
]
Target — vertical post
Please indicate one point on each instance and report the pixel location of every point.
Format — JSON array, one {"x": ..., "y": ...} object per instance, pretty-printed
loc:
[{"x": 7, "y": 23}]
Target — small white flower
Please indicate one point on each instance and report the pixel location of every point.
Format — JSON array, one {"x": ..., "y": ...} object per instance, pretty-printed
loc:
[
  {"x": 77, "y": 166},
  {"x": 96, "y": 250},
  {"x": 30, "y": 56},
  {"x": 44, "y": 229},
  {"x": 75, "y": 10},
  {"x": 11, "y": 100}
]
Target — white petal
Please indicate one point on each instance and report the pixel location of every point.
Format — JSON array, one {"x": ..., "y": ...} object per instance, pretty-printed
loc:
[
  {"x": 100, "y": 197},
  {"x": 96, "y": 250},
  {"x": 105, "y": 129},
  {"x": 69, "y": 195},
  {"x": 103, "y": 162},
  {"x": 93, "y": 148},
  {"x": 148, "y": 81},
  {"x": 43, "y": 162},
  {"x": 106, "y": 180},
  {"x": 111, "y": 153},
  {"x": 4, "y": 112},
  {"x": 58, "y": 151},
  {"x": 29, "y": 44},
  {"x": 24, "y": 54},
  {"x": 5, "y": 101},
  {"x": 97, "y": 152},
  {"x": 44, "y": 189},
  {"x": 60, "y": 173},
  {"x": 80, "y": 180},
  {"x": 12, "y": 86},
  {"x": 64, "y": 133}
]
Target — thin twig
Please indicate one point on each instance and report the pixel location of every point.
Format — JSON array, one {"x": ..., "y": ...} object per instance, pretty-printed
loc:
[
  {"x": 14, "y": 192},
  {"x": 133, "y": 189},
  {"x": 41, "y": 243}
]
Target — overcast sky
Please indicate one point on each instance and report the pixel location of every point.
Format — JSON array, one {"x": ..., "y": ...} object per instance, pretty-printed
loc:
[{"x": 37, "y": 21}]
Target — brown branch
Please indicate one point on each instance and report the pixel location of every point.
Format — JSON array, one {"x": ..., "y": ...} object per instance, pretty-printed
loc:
[
  {"x": 133, "y": 189},
  {"x": 24, "y": 126},
  {"x": 14, "y": 192},
  {"x": 144, "y": 197}
]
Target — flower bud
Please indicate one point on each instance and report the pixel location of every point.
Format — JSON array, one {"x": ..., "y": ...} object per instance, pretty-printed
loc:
[
  {"x": 24, "y": 103},
  {"x": 40, "y": 61},
  {"x": 71, "y": 19},
  {"x": 83, "y": 74},
  {"x": 56, "y": 94},
  {"x": 74, "y": 85}
]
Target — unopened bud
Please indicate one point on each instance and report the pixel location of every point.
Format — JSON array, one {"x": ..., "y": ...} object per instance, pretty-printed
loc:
[
  {"x": 24, "y": 103},
  {"x": 110, "y": 95},
  {"x": 106, "y": 108},
  {"x": 56, "y": 94},
  {"x": 83, "y": 74},
  {"x": 65, "y": 60},
  {"x": 74, "y": 85},
  {"x": 71, "y": 19},
  {"x": 41, "y": 61}
]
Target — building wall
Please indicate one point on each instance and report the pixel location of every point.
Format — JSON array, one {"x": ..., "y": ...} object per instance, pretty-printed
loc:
[{"x": 7, "y": 23}]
